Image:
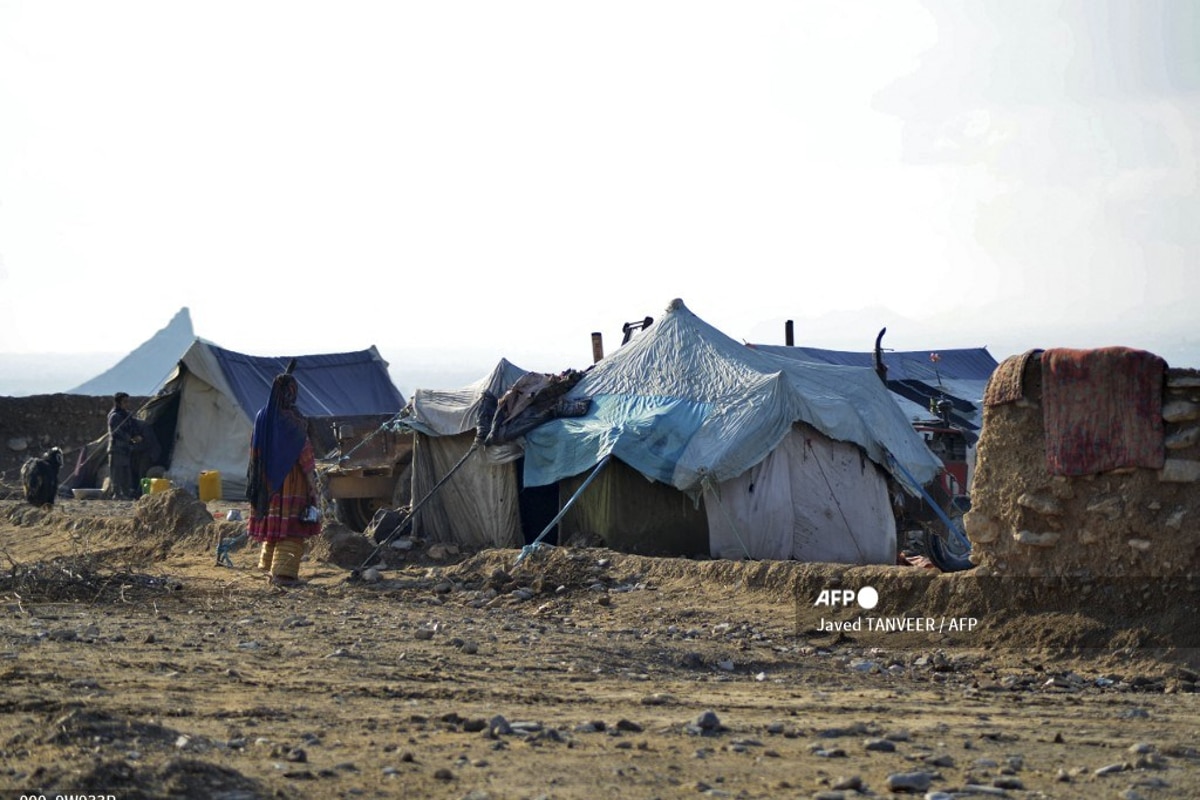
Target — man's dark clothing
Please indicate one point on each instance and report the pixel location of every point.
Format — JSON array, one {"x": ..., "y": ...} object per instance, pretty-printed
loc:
[{"x": 122, "y": 427}]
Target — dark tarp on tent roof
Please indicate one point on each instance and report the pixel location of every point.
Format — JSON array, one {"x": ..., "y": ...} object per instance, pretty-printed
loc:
[
  {"x": 331, "y": 385},
  {"x": 916, "y": 378}
]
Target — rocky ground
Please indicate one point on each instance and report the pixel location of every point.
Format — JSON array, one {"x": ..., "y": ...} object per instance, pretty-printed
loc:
[{"x": 135, "y": 666}]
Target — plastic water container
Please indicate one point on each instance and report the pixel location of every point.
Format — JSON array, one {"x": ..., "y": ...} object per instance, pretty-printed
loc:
[
  {"x": 146, "y": 485},
  {"x": 210, "y": 485},
  {"x": 159, "y": 485}
]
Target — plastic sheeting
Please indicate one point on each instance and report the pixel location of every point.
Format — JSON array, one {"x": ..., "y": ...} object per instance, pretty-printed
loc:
[
  {"x": 810, "y": 499},
  {"x": 447, "y": 412},
  {"x": 685, "y": 404},
  {"x": 961, "y": 373}
]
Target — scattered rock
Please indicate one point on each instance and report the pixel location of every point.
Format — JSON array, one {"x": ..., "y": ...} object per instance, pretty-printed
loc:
[
  {"x": 914, "y": 782},
  {"x": 707, "y": 724}
]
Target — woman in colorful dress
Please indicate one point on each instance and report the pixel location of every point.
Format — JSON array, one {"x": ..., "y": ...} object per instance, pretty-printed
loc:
[{"x": 281, "y": 484}]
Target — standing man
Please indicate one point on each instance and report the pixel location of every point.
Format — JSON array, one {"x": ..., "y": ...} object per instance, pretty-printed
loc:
[{"x": 123, "y": 434}]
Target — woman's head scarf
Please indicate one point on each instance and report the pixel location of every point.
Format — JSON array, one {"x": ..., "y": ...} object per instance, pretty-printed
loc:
[{"x": 279, "y": 434}]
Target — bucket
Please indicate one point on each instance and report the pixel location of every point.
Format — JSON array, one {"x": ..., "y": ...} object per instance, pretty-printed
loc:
[
  {"x": 159, "y": 485},
  {"x": 210, "y": 485},
  {"x": 146, "y": 485}
]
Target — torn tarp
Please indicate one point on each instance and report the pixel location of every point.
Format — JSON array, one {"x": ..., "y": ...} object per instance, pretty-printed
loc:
[{"x": 534, "y": 399}]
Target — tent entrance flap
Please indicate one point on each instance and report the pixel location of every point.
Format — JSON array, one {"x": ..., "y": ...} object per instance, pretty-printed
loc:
[{"x": 628, "y": 512}]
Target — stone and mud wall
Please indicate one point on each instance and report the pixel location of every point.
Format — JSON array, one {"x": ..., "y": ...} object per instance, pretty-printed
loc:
[
  {"x": 1131, "y": 522},
  {"x": 31, "y": 425}
]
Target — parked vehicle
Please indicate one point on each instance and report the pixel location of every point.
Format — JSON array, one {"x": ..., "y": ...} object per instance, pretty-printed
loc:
[{"x": 369, "y": 469}]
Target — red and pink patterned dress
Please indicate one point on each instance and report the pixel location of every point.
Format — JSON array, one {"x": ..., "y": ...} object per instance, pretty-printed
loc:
[{"x": 282, "y": 520}]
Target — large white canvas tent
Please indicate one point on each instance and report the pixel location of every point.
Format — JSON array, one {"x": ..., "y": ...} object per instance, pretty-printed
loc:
[
  {"x": 480, "y": 504},
  {"x": 708, "y": 442},
  {"x": 204, "y": 415}
]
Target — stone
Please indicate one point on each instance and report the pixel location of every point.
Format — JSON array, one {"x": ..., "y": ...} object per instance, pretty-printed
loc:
[
  {"x": 1175, "y": 520},
  {"x": 1180, "y": 411},
  {"x": 832, "y": 752},
  {"x": 1009, "y": 782},
  {"x": 1180, "y": 470},
  {"x": 438, "y": 552},
  {"x": 851, "y": 783},
  {"x": 1176, "y": 380},
  {"x": 909, "y": 781},
  {"x": 1183, "y": 438},
  {"x": 1032, "y": 539},
  {"x": 1141, "y": 545},
  {"x": 1040, "y": 504},
  {"x": 1111, "y": 769},
  {"x": 658, "y": 699},
  {"x": 880, "y": 746},
  {"x": 18, "y": 444},
  {"x": 707, "y": 724},
  {"x": 981, "y": 529},
  {"x": 1109, "y": 507}
]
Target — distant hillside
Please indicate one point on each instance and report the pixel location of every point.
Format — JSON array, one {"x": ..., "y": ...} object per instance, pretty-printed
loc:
[{"x": 144, "y": 370}]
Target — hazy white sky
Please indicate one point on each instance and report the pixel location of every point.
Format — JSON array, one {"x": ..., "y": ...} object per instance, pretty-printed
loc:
[{"x": 507, "y": 177}]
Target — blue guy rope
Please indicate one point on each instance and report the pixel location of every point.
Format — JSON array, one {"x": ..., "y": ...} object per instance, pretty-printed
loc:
[
  {"x": 955, "y": 531},
  {"x": 536, "y": 544}
]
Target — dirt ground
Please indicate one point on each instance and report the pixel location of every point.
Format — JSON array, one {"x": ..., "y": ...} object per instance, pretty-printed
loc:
[{"x": 134, "y": 666}]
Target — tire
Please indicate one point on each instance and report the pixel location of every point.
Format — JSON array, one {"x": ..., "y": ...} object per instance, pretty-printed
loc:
[
  {"x": 944, "y": 560},
  {"x": 356, "y": 513}
]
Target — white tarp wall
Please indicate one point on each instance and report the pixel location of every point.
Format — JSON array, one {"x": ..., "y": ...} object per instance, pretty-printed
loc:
[
  {"x": 811, "y": 499},
  {"x": 477, "y": 507},
  {"x": 213, "y": 432}
]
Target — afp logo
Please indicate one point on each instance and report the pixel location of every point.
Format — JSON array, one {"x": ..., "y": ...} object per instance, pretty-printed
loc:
[{"x": 866, "y": 597}]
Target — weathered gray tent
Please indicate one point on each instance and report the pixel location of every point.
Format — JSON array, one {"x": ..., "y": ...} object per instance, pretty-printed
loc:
[
  {"x": 714, "y": 446},
  {"x": 480, "y": 505}
]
